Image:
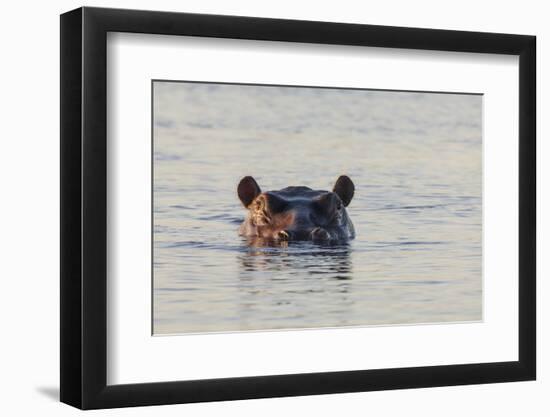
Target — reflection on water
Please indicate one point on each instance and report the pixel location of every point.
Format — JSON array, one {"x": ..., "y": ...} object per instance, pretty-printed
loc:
[
  {"x": 304, "y": 274},
  {"x": 312, "y": 258},
  {"x": 415, "y": 159}
]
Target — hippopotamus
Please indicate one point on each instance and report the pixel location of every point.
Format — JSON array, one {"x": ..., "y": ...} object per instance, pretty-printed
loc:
[{"x": 297, "y": 213}]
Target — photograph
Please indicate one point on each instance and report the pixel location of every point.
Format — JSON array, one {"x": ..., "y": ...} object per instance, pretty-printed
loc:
[
  {"x": 285, "y": 204},
  {"x": 279, "y": 207}
]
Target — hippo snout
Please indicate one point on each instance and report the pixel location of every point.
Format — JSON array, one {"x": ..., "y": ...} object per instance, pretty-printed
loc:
[
  {"x": 297, "y": 213},
  {"x": 283, "y": 235},
  {"x": 316, "y": 234},
  {"x": 320, "y": 234}
]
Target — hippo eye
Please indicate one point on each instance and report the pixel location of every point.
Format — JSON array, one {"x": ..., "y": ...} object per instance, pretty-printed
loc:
[
  {"x": 259, "y": 204},
  {"x": 259, "y": 212},
  {"x": 328, "y": 203},
  {"x": 276, "y": 204}
]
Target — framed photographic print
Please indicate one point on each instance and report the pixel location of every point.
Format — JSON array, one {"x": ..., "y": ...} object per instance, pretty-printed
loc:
[{"x": 257, "y": 207}]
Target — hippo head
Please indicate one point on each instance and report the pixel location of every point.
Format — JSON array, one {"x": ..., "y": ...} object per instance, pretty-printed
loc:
[{"x": 297, "y": 213}]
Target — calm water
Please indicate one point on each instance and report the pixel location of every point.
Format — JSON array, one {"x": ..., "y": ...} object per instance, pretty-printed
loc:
[{"x": 415, "y": 159}]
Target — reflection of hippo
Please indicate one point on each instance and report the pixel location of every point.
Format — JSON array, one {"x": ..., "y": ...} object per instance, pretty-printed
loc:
[{"x": 297, "y": 213}]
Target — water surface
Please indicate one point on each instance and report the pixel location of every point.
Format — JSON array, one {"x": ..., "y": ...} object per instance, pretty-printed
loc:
[{"x": 415, "y": 159}]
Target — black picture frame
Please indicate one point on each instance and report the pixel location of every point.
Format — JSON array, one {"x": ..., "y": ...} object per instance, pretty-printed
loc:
[{"x": 84, "y": 207}]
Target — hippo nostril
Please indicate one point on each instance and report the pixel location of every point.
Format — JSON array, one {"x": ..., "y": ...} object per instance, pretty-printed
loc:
[
  {"x": 283, "y": 235},
  {"x": 320, "y": 234}
]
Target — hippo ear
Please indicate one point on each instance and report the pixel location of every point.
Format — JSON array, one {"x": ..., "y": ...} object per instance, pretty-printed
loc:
[
  {"x": 248, "y": 190},
  {"x": 344, "y": 188}
]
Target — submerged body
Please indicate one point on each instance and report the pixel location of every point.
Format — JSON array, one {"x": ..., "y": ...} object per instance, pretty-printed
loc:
[{"x": 297, "y": 213}]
